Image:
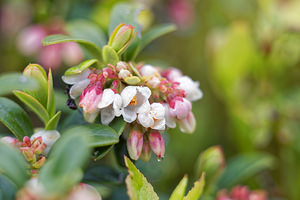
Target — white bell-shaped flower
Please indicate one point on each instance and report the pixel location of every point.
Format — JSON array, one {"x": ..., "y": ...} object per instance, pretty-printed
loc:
[
  {"x": 153, "y": 117},
  {"x": 191, "y": 88}
]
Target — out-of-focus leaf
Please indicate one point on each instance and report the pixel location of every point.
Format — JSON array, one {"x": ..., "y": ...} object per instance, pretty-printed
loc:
[
  {"x": 93, "y": 49},
  {"x": 51, "y": 97},
  {"x": 7, "y": 189},
  {"x": 16, "y": 81},
  {"x": 15, "y": 118},
  {"x": 13, "y": 165},
  {"x": 118, "y": 124},
  {"x": 75, "y": 117},
  {"x": 103, "y": 174},
  {"x": 63, "y": 169},
  {"x": 244, "y": 166},
  {"x": 179, "y": 191},
  {"x": 137, "y": 185},
  {"x": 88, "y": 31},
  {"x": 196, "y": 192},
  {"x": 52, "y": 123},
  {"x": 124, "y": 13},
  {"x": 34, "y": 105},
  {"x": 101, "y": 135},
  {"x": 81, "y": 67}
]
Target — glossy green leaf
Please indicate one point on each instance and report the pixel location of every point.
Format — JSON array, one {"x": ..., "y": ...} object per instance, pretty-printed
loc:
[
  {"x": 63, "y": 169},
  {"x": 13, "y": 165},
  {"x": 132, "y": 80},
  {"x": 93, "y": 49},
  {"x": 243, "y": 167},
  {"x": 101, "y": 135},
  {"x": 52, "y": 123},
  {"x": 15, "y": 118},
  {"x": 16, "y": 81},
  {"x": 155, "y": 33},
  {"x": 75, "y": 117},
  {"x": 137, "y": 185},
  {"x": 81, "y": 67},
  {"x": 34, "y": 105},
  {"x": 87, "y": 30},
  {"x": 7, "y": 189},
  {"x": 124, "y": 13},
  {"x": 118, "y": 124},
  {"x": 196, "y": 192},
  {"x": 100, "y": 152},
  {"x": 51, "y": 96},
  {"x": 179, "y": 191},
  {"x": 96, "y": 172},
  {"x": 109, "y": 55}
]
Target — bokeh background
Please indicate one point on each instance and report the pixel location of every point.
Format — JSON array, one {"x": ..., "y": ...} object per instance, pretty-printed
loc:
[{"x": 244, "y": 53}]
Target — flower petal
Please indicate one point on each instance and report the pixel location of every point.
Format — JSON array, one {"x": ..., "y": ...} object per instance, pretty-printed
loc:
[
  {"x": 145, "y": 107},
  {"x": 145, "y": 91},
  {"x": 146, "y": 119},
  {"x": 129, "y": 114},
  {"x": 159, "y": 124},
  {"x": 127, "y": 94},
  {"x": 72, "y": 79},
  {"x": 157, "y": 110},
  {"x": 107, "y": 115},
  {"x": 117, "y": 105},
  {"x": 77, "y": 89},
  {"x": 90, "y": 117},
  {"x": 107, "y": 98}
]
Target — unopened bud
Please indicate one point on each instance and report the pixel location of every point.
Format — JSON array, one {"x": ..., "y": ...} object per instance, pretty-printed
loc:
[
  {"x": 39, "y": 163},
  {"x": 157, "y": 144},
  {"x": 40, "y": 149},
  {"x": 28, "y": 153},
  {"x": 48, "y": 139},
  {"x": 121, "y": 37},
  {"x": 26, "y": 141},
  {"x": 121, "y": 65},
  {"x": 37, "y": 72},
  {"x": 146, "y": 152},
  {"x": 124, "y": 73},
  {"x": 135, "y": 144}
]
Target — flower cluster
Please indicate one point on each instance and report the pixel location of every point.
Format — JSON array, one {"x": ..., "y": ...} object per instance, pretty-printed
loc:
[
  {"x": 241, "y": 193},
  {"x": 148, "y": 98},
  {"x": 35, "y": 148}
]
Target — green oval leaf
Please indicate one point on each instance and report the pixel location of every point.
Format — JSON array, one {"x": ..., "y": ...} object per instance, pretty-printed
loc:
[
  {"x": 15, "y": 118},
  {"x": 132, "y": 80},
  {"x": 109, "y": 55},
  {"x": 16, "y": 81},
  {"x": 34, "y": 105},
  {"x": 101, "y": 135},
  {"x": 52, "y": 123},
  {"x": 118, "y": 124},
  {"x": 13, "y": 165},
  {"x": 93, "y": 49},
  {"x": 100, "y": 152},
  {"x": 7, "y": 188},
  {"x": 51, "y": 107},
  {"x": 244, "y": 166},
  {"x": 81, "y": 67},
  {"x": 63, "y": 169}
]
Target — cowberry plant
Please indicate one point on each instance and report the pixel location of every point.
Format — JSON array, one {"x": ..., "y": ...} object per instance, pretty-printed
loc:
[{"x": 123, "y": 109}]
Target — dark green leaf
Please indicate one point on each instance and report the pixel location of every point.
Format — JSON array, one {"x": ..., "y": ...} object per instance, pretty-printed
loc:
[
  {"x": 15, "y": 118},
  {"x": 51, "y": 97},
  {"x": 101, "y": 135},
  {"x": 118, "y": 124},
  {"x": 13, "y": 165},
  {"x": 103, "y": 174},
  {"x": 88, "y": 31},
  {"x": 93, "y": 49},
  {"x": 16, "y": 81},
  {"x": 100, "y": 152},
  {"x": 243, "y": 167},
  {"x": 34, "y": 105},
  {"x": 63, "y": 169},
  {"x": 81, "y": 67}
]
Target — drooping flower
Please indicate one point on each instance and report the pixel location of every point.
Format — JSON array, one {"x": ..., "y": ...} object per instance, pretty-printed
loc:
[
  {"x": 78, "y": 81},
  {"x": 135, "y": 100},
  {"x": 157, "y": 144},
  {"x": 153, "y": 117},
  {"x": 146, "y": 151},
  {"x": 191, "y": 88},
  {"x": 188, "y": 125},
  {"x": 110, "y": 105},
  {"x": 135, "y": 143},
  {"x": 180, "y": 108}
]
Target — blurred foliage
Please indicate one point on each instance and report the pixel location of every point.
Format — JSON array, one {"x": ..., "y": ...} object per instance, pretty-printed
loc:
[{"x": 246, "y": 55}]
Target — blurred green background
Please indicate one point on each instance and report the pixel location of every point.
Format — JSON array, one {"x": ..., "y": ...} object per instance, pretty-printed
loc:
[{"x": 244, "y": 53}]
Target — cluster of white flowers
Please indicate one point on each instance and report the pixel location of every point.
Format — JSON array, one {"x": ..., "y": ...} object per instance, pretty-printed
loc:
[{"x": 148, "y": 98}]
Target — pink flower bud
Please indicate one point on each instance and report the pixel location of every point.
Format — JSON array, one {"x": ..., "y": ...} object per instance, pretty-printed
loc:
[
  {"x": 28, "y": 153},
  {"x": 26, "y": 141},
  {"x": 180, "y": 108},
  {"x": 172, "y": 74},
  {"x": 72, "y": 53},
  {"x": 135, "y": 144},
  {"x": 240, "y": 192},
  {"x": 146, "y": 152},
  {"x": 157, "y": 144},
  {"x": 188, "y": 125},
  {"x": 50, "y": 56},
  {"x": 121, "y": 37},
  {"x": 90, "y": 98}
]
